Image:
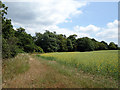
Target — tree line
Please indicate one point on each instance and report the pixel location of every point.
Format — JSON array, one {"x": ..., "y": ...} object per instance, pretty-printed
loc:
[{"x": 18, "y": 41}]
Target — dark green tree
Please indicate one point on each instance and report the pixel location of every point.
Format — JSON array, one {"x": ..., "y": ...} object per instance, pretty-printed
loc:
[
  {"x": 73, "y": 39},
  {"x": 85, "y": 44},
  {"x": 112, "y": 46},
  {"x": 48, "y": 41},
  {"x": 62, "y": 42},
  {"x": 25, "y": 41},
  {"x": 9, "y": 47},
  {"x": 69, "y": 45},
  {"x": 105, "y": 45}
]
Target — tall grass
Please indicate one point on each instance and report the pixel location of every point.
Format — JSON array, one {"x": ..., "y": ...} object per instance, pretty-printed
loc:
[
  {"x": 96, "y": 62},
  {"x": 15, "y": 66}
]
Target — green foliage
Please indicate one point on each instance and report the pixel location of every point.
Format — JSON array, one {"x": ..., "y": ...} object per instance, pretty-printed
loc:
[
  {"x": 85, "y": 44},
  {"x": 26, "y": 42},
  {"x": 112, "y": 46},
  {"x": 69, "y": 45},
  {"x": 9, "y": 47},
  {"x": 47, "y": 41},
  {"x": 62, "y": 42},
  {"x": 5, "y": 49},
  {"x": 100, "y": 45},
  {"x": 3, "y": 10},
  {"x": 7, "y": 29},
  {"x": 73, "y": 40},
  {"x": 39, "y": 49}
]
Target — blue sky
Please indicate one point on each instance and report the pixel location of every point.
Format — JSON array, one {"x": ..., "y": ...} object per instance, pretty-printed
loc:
[
  {"x": 96, "y": 13},
  {"x": 97, "y": 20}
]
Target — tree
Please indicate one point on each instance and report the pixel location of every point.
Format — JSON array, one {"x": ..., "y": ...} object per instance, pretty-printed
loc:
[
  {"x": 73, "y": 40},
  {"x": 102, "y": 46},
  {"x": 9, "y": 47},
  {"x": 38, "y": 49},
  {"x": 25, "y": 41},
  {"x": 85, "y": 44},
  {"x": 105, "y": 45},
  {"x": 48, "y": 41},
  {"x": 62, "y": 42},
  {"x": 69, "y": 45},
  {"x": 112, "y": 46},
  {"x": 38, "y": 39}
]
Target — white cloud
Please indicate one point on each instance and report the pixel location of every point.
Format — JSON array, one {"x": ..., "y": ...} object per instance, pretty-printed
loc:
[
  {"x": 67, "y": 21},
  {"x": 113, "y": 24},
  {"x": 34, "y": 28},
  {"x": 47, "y": 12},
  {"x": 89, "y": 28},
  {"x": 110, "y": 32}
]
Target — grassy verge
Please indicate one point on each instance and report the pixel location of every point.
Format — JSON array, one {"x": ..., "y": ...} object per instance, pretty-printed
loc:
[
  {"x": 70, "y": 77},
  {"x": 15, "y": 66}
]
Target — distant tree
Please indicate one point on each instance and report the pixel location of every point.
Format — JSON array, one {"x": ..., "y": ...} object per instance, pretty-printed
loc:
[
  {"x": 85, "y": 44},
  {"x": 62, "y": 42},
  {"x": 38, "y": 39},
  {"x": 69, "y": 45},
  {"x": 102, "y": 46},
  {"x": 96, "y": 44},
  {"x": 73, "y": 40},
  {"x": 112, "y": 46},
  {"x": 25, "y": 41},
  {"x": 105, "y": 45},
  {"x": 47, "y": 41}
]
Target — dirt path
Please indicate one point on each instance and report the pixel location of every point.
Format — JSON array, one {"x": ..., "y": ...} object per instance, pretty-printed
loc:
[
  {"x": 26, "y": 79},
  {"x": 40, "y": 75}
]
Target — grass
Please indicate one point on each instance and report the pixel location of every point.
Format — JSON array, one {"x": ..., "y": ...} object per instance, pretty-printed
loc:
[
  {"x": 44, "y": 73},
  {"x": 64, "y": 76},
  {"x": 15, "y": 66},
  {"x": 97, "y": 62}
]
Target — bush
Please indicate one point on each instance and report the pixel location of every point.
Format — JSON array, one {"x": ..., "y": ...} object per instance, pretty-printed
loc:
[{"x": 9, "y": 47}]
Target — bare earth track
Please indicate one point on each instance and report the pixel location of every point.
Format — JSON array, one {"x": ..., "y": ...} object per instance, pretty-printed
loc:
[{"x": 26, "y": 79}]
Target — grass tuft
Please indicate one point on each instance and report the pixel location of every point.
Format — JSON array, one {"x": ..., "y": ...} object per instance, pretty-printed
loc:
[{"x": 15, "y": 66}]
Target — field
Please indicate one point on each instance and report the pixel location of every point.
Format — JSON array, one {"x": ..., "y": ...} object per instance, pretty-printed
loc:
[
  {"x": 96, "y": 69},
  {"x": 96, "y": 62}
]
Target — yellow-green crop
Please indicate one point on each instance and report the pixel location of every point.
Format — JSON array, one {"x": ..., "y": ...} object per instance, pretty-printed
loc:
[{"x": 97, "y": 62}]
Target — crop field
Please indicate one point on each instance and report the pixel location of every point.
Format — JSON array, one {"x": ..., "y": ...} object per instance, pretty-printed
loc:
[
  {"x": 98, "y": 69},
  {"x": 96, "y": 62}
]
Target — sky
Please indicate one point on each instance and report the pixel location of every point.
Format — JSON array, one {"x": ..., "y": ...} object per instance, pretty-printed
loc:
[{"x": 97, "y": 20}]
